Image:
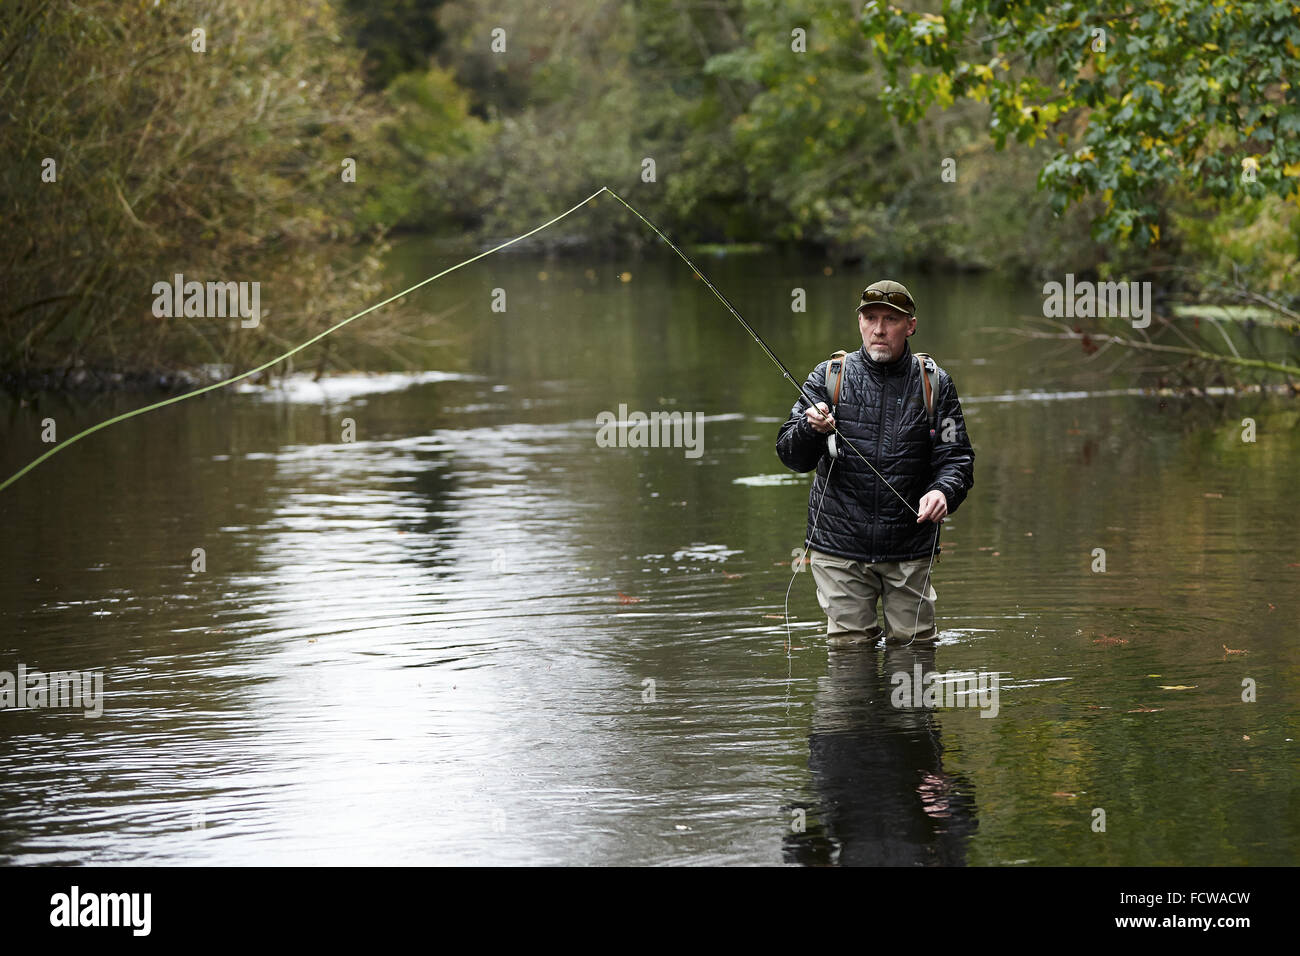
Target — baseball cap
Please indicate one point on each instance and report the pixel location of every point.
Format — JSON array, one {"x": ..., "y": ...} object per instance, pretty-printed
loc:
[{"x": 890, "y": 293}]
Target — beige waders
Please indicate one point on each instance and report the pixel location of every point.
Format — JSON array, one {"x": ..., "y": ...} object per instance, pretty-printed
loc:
[{"x": 849, "y": 590}]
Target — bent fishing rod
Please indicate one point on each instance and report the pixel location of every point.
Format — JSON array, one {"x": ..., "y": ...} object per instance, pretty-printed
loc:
[{"x": 799, "y": 387}]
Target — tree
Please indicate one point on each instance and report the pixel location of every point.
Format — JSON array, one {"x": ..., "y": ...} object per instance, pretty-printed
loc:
[
  {"x": 1185, "y": 94},
  {"x": 203, "y": 138}
]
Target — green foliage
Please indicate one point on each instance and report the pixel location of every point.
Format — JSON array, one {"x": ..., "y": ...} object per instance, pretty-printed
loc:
[
  {"x": 398, "y": 36},
  {"x": 1256, "y": 244},
  {"x": 811, "y": 137},
  {"x": 1180, "y": 93},
  {"x": 827, "y": 163},
  {"x": 582, "y": 94},
  {"x": 419, "y": 153}
]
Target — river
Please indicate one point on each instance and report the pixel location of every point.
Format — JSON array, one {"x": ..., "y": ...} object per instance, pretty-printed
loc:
[{"x": 473, "y": 634}]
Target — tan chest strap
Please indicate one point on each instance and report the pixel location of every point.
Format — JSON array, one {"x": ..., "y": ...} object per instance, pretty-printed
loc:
[{"x": 835, "y": 374}]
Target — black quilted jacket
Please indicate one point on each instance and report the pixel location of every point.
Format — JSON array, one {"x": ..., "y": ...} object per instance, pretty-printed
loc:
[{"x": 882, "y": 412}]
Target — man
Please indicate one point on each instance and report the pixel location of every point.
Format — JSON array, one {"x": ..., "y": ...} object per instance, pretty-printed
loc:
[{"x": 871, "y": 540}]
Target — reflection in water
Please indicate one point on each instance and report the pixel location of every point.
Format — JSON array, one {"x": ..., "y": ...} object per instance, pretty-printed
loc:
[{"x": 883, "y": 797}]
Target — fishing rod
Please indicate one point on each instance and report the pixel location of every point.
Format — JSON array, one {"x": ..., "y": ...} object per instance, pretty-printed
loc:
[{"x": 813, "y": 402}]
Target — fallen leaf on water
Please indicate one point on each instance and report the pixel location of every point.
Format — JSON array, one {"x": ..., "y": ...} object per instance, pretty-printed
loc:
[
  {"x": 1177, "y": 686},
  {"x": 1232, "y": 650},
  {"x": 627, "y": 599},
  {"x": 1272, "y": 607}
]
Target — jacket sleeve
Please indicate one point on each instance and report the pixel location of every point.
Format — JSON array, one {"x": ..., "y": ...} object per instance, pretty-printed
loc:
[
  {"x": 953, "y": 457},
  {"x": 798, "y": 446}
]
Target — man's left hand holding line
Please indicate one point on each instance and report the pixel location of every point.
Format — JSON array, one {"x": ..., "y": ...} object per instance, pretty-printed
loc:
[{"x": 933, "y": 507}]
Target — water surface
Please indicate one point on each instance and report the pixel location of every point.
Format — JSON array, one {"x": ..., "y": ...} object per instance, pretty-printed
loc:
[{"x": 435, "y": 643}]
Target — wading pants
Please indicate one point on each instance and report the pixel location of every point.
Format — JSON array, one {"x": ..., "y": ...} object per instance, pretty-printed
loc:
[{"x": 849, "y": 591}]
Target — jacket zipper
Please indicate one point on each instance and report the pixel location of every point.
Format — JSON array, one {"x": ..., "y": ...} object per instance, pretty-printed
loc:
[{"x": 880, "y": 460}]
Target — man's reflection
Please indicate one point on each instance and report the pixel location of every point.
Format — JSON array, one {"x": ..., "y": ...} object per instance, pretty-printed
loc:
[{"x": 882, "y": 796}]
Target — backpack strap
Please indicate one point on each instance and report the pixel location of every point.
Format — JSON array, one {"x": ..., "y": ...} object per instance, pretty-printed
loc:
[
  {"x": 834, "y": 382},
  {"x": 929, "y": 384},
  {"x": 835, "y": 374}
]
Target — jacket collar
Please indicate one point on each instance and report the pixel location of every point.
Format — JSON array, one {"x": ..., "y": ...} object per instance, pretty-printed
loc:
[{"x": 898, "y": 366}]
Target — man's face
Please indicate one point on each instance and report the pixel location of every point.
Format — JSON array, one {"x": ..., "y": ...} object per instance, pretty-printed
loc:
[{"x": 884, "y": 331}]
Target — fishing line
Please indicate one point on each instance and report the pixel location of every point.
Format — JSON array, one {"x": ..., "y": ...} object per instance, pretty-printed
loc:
[
  {"x": 812, "y": 401},
  {"x": 926, "y": 586},
  {"x": 393, "y": 298},
  {"x": 804, "y": 555},
  {"x": 293, "y": 351}
]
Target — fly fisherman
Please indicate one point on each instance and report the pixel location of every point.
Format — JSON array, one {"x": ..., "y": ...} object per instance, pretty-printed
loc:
[{"x": 873, "y": 540}]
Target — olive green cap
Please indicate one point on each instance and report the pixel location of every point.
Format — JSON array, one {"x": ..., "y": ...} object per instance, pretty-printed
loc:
[{"x": 887, "y": 292}]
